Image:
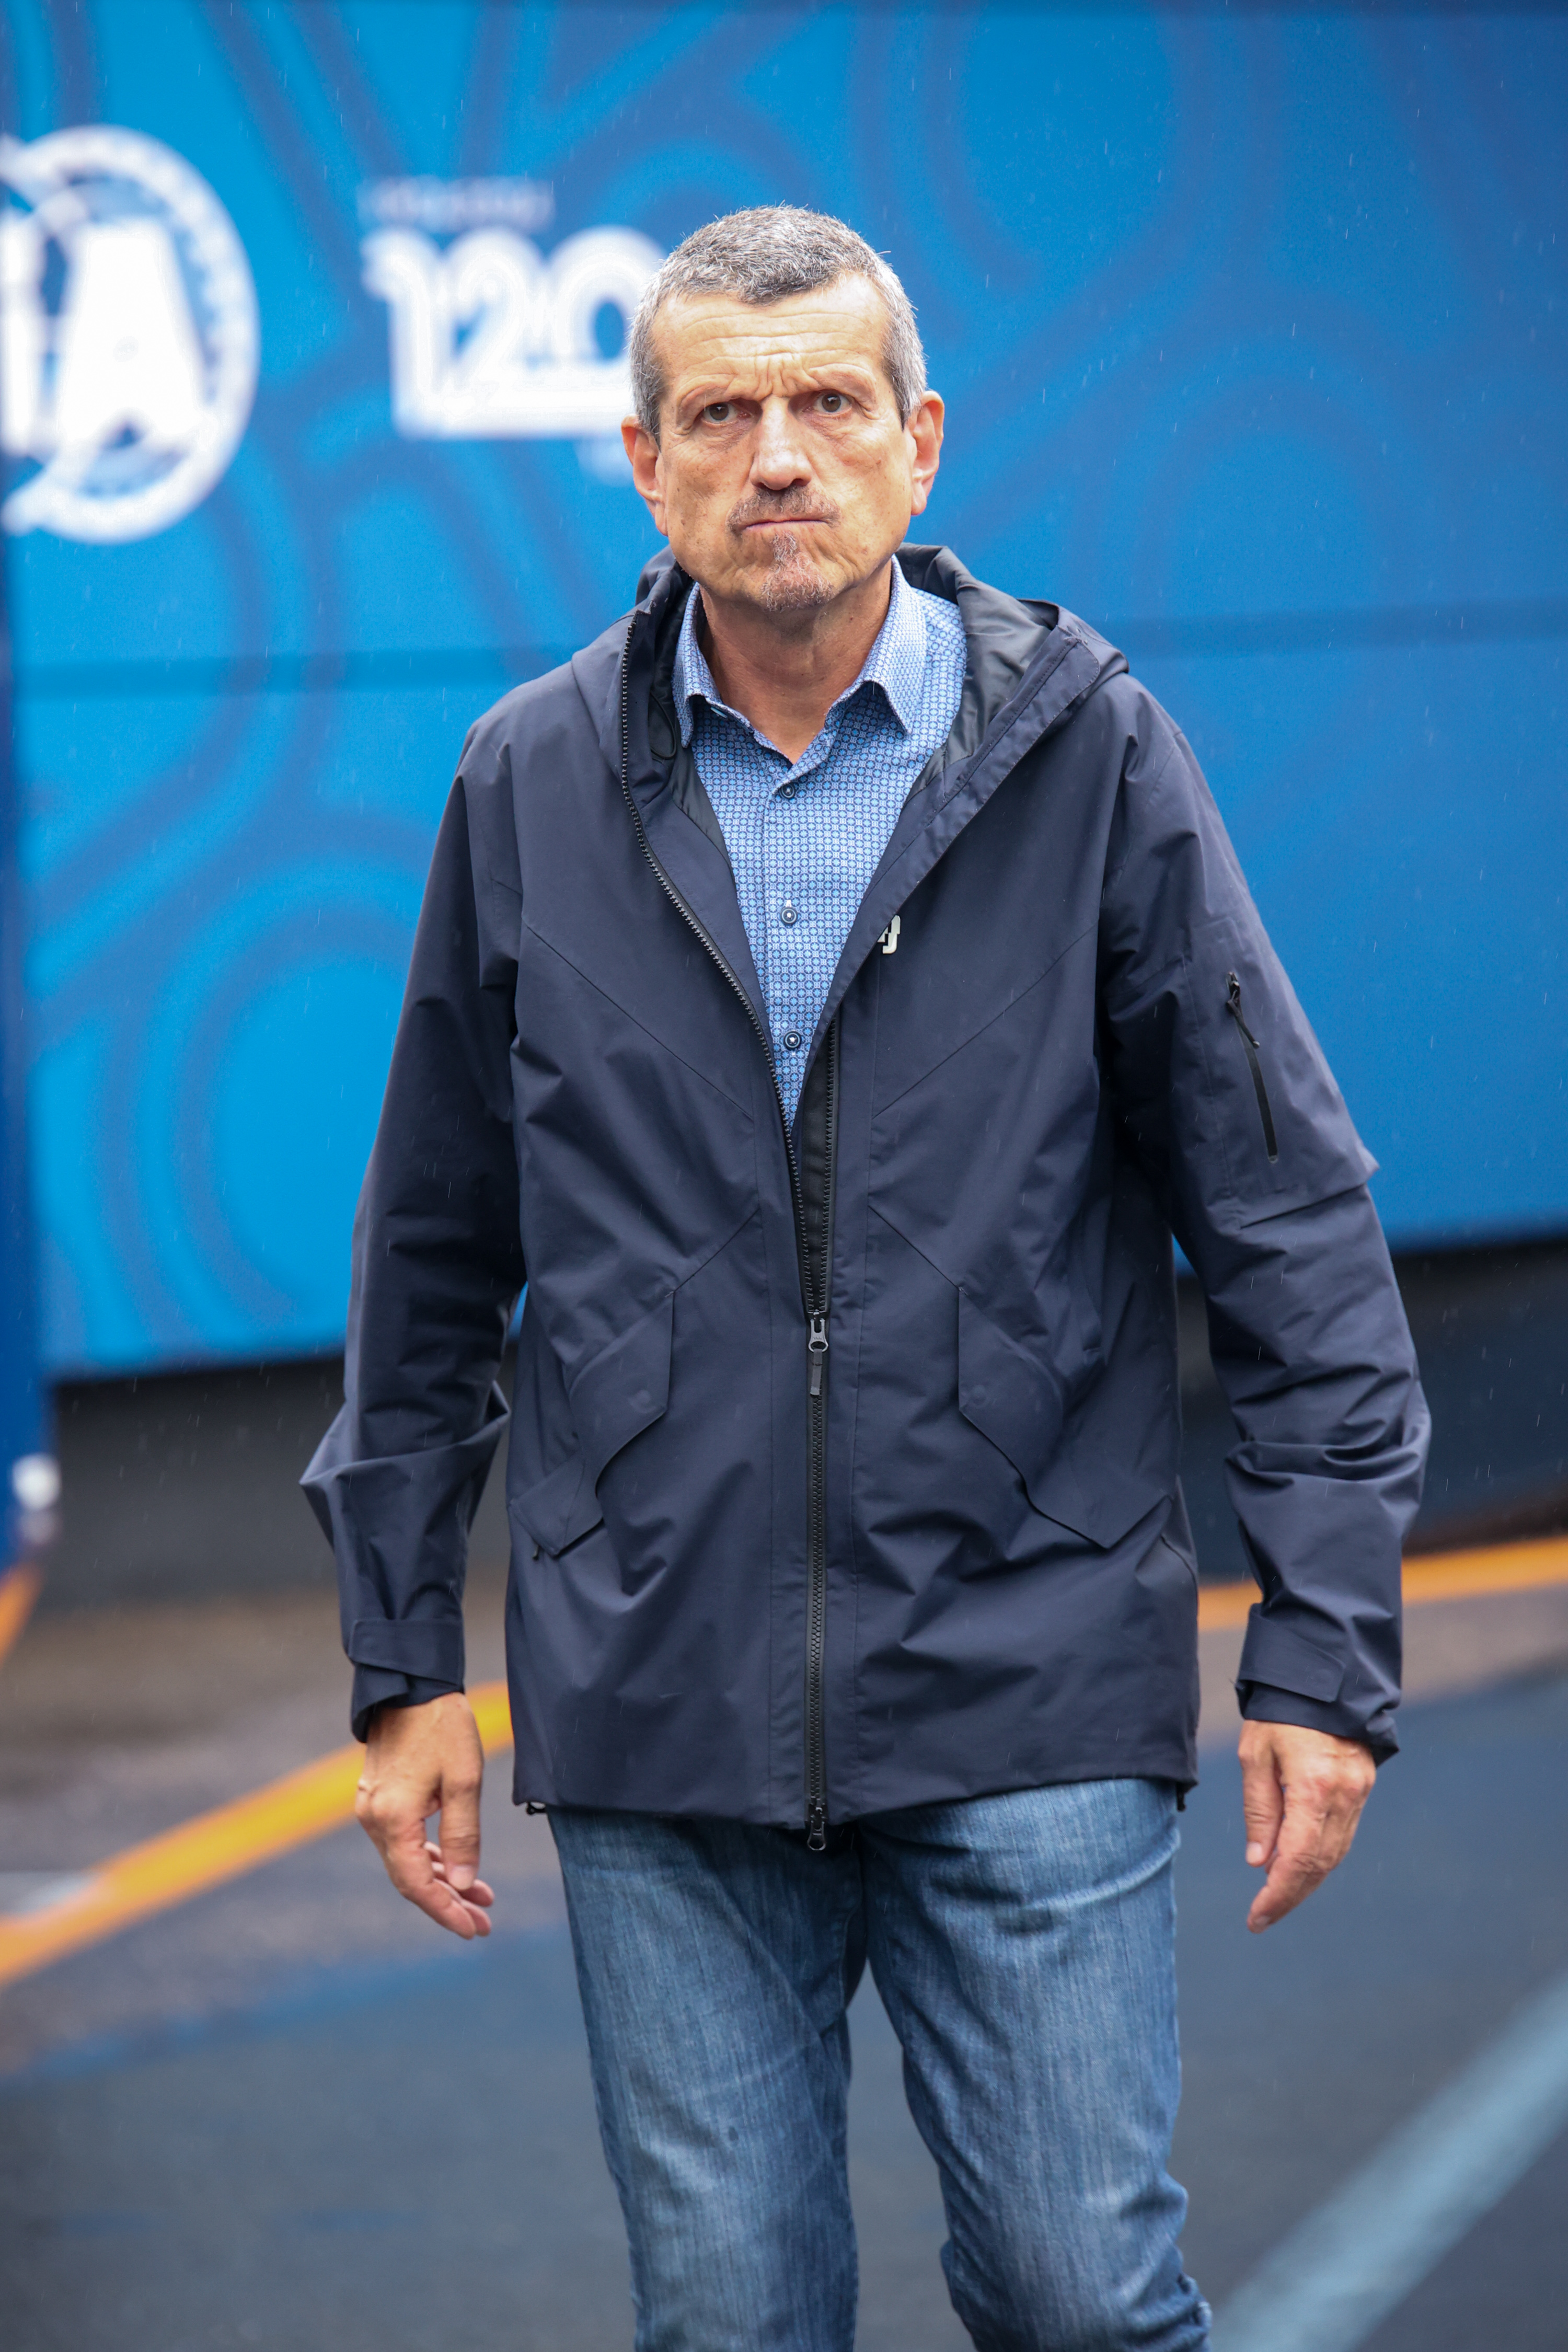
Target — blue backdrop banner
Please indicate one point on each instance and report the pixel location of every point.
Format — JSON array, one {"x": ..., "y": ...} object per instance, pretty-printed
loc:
[
  {"x": 25, "y": 1502},
  {"x": 1252, "y": 330}
]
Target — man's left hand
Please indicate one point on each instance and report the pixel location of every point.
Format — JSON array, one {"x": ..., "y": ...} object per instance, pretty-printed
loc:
[{"x": 1302, "y": 1795}]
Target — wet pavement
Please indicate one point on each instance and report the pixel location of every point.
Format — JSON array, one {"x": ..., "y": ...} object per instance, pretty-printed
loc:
[{"x": 287, "y": 2113}]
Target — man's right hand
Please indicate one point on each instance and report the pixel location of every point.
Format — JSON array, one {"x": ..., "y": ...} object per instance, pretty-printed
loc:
[{"x": 420, "y": 1760}]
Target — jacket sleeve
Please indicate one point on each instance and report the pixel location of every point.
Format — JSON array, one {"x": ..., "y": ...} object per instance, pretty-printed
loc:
[
  {"x": 437, "y": 1266},
  {"x": 1228, "y": 1102}
]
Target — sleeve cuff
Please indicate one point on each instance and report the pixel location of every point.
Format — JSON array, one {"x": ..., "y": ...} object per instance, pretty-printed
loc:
[
  {"x": 375, "y": 1686},
  {"x": 431, "y": 1647},
  {"x": 1261, "y": 1702}
]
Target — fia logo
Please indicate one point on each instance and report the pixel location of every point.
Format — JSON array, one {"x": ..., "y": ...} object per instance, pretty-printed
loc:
[
  {"x": 490, "y": 339},
  {"x": 128, "y": 337}
]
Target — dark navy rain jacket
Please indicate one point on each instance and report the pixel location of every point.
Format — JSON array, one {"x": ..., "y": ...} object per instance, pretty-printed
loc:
[{"x": 842, "y": 1467}]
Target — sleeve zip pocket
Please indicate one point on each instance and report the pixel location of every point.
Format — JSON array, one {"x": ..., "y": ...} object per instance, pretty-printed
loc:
[{"x": 1233, "y": 1006}]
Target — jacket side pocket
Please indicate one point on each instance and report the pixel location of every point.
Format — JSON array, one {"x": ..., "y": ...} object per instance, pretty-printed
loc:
[
  {"x": 624, "y": 1389},
  {"x": 559, "y": 1509}
]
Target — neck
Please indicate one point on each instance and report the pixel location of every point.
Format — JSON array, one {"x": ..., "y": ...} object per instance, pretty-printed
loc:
[{"x": 783, "y": 671}]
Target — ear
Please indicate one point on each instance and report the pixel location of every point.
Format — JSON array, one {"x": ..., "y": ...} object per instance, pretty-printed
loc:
[
  {"x": 923, "y": 433},
  {"x": 643, "y": 457}
]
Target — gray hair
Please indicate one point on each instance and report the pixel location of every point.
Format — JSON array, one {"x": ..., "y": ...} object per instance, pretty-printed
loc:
[{"x": 763, "y": 255}]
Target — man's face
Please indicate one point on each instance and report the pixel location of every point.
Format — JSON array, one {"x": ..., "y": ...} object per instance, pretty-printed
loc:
[{"x": 784, "y": 474}]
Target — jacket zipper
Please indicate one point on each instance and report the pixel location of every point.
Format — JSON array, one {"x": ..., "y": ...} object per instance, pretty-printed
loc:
[
  {"x": 817, "y": 1308},
  {"x": 815, "y": 1301},
  {"x": 1233, "y": 1006}
]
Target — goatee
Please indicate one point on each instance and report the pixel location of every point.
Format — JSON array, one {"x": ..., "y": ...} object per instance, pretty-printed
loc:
[{"x": 791, "y": 582}]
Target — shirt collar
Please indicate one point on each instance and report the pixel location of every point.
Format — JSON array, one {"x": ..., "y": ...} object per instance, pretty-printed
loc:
[{"x": 895, "y": 662}]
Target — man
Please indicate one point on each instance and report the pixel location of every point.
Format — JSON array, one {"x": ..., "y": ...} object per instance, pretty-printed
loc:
[{"x": 833, "y": 989}]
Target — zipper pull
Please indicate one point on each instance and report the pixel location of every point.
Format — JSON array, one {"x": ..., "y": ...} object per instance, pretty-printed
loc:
[
  {"x": 816, "y": 1345},
  {"x": 1233, "y": 1006},
  {"x": 816, "y": 1826},
  {"x": 1259, "y": 1087}
]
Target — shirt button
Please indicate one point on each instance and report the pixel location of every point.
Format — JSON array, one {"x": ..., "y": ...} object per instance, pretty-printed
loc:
[
  {"x": 787, "y": 913},
  {"x": 786, "y": 792},
  {"x": 792, "y": 1041}
]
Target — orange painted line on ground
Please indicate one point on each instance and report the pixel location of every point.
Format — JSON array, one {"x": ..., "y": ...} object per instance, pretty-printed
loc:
[
  {"x": 1501, "y": 1567},
  {"x": 19, "y": 1588},
  {"x": 202, "y": 1853},
  {"x": 318, "y": 1798},
  {"x": 1220, "y": 1605},
  {"x": 1432, "y": 1576}
]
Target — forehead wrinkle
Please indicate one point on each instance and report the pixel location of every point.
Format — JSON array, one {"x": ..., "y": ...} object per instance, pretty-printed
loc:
[
  {"x": 709, "y": 342},
  {"x": 830, "y": 310}
]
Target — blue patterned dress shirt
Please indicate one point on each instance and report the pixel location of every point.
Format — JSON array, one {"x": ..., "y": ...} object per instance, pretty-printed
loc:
[{"x": 805, "y": 838}]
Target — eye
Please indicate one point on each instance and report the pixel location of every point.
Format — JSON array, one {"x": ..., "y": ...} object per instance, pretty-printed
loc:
[
  {"x": 719, "y": 412},
  {"x": 834, "y": 403}
]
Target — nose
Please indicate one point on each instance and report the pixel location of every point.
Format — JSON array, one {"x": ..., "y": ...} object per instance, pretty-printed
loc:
[{"x": 778, "y": 458}]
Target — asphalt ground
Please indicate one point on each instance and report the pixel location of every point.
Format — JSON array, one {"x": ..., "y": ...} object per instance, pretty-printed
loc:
[{"x": 288, "y": 2114}]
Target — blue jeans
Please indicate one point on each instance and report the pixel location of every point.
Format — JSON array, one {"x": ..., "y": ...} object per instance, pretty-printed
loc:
[{"x": 1023, "y": 1949}]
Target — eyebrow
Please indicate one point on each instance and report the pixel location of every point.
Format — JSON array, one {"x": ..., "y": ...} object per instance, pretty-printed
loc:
[{"x": 838, "y": 377}]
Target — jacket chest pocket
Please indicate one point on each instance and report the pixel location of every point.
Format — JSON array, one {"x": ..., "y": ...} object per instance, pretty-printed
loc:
[{"x": 1010, "y": 1395}]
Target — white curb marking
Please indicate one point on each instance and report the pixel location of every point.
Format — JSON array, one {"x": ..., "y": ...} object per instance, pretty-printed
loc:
[{"x": 1343, "y": 2269}]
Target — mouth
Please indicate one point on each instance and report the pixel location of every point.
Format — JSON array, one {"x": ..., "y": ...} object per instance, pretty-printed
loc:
[{"x": 787, "y": 522}]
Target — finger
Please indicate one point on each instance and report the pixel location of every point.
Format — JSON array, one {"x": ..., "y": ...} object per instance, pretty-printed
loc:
[
  {"x": 406, "y": 1855},
  {"x": 468, "y": 1919},
  {"x": 480, "y": 1905},
  {"x": 451, "y": 1910},
  {"x": 1293, "y": 1874},
  {"x": 1262, "y": 1808},
  {"x": 479, "y": 1892},
  {"x": 460, "y": 1828},
  {"x": 1319, "y": 1827},
  {"x": 448, "y": 1908}
]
